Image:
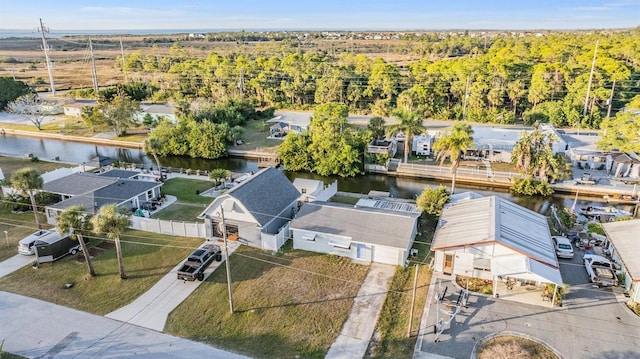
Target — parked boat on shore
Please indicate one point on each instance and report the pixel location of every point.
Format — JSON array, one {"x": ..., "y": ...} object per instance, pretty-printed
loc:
[{"x": 604, "y": 213}]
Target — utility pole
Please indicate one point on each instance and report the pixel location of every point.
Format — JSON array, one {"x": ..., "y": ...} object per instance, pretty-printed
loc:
[
  {"x": 413, "y": 300},
  {"x": 466, "y": 97},
  {"x": 94, "y": 74},
  {"x": 226, "y": 259},
  {"x": 122, "y": 55},
  {"x": 44, "y": 30},
  {"x": 611, "y": 99},
  {"x": 241, "y": 83},
  {"x": 593, "y": 65}
]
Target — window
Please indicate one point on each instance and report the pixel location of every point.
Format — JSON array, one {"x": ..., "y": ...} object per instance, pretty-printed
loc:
[
  {"x": 482, "y": 264},
  {"x": 150, "y": 194}
]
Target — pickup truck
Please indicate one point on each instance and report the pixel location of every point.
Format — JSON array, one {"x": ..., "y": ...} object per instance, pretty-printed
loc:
[
  {"x": 600, "y": 270},
  {"x": 193, "y": 268}
]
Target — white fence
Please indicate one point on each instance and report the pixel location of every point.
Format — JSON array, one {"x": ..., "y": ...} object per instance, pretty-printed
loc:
[
  {"x": 275, "y": 241},
  {"x": 328, "y": 192},
  {"x": 174, "y": 228}
]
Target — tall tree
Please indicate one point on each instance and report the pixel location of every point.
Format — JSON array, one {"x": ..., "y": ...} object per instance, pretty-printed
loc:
[
  {"x": 119, "y": 113},
  {"x": 28, "y": 180},
  {"x": 376, "y": 125},
  {"x": 153, "y": 145},
  {"x": 533, "y": 154},
  {"x": 409, "y": 123},
  {"x": 30, "y": 107},
  {"x": 453, "y": 145},
  {"x": 10, "y": 90},
  {"x": 76, "y": 221},
  {"x": 108, "y": 220}
]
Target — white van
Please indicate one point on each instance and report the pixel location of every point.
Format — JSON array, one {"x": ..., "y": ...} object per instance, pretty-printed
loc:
[
  {"x": 563, "y": 246},
  {"x": 25, "y": 246}
]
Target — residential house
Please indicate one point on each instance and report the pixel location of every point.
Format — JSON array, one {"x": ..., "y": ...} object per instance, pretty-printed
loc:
[
  {"x": 363, "y": 234},
  {"x": 626, "y": 165},
  {"x": 495, "y": 239},
  {"x": 255, "y": 211},
  {"x": 74, "y": 109},
  {"x": 624, "y": 247},
  {"x": 314, "y": 190},
  {"x": 93, "y": 191},
  {"x": 157, "y": 112},
  {"x": 388, "y": 147},
  {"x": 278, "y": 129},
  {"x": 422, "y": 144}
]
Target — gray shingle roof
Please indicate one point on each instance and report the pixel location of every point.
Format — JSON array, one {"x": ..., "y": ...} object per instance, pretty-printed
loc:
[
  {"x": 365, "y": 225},
  {"x": 77, "y": 183},
  {"x": 266, "y": 194}
]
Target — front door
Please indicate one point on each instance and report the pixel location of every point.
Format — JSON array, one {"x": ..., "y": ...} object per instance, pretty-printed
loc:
[{"x": 447, "y": 267}]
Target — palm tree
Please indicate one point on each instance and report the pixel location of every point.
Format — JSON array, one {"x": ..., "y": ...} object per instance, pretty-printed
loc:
[
  {"x": 453, "y": 145},
  {"x": 28, "y": 180},
  {"x": 410, "y": 123},
  {"x": 533, "y": 154},
  {"x": 74, "y": 219},
  {"x": 108, "y": 220},
  {"x": 153, "y": 145},
  {"x": 376, "y": 125}
]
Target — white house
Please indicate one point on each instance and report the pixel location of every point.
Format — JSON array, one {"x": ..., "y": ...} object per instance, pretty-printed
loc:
[
  {"x": 314, "y": 190},
  {"x": 256, "y": 211},
  {"x": 623, "y": 239},
  {"x": 157, "y": 112},
  {"x": 493, "y": 238},
  {"x": 422, "y": 144},
  {"x": 363, "y": 234}
]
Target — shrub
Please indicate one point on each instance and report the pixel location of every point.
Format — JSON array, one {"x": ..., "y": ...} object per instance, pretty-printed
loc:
[{"x": 531, "y": 187}]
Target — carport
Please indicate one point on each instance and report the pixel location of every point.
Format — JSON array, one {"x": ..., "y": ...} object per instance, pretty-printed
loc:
[{"x": 522, "y": 279}]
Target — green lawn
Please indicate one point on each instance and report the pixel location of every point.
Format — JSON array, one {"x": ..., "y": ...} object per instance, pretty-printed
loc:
[
  {"x": 147, "y": 258},
  {"x": 255, "y": 135},
  {"x": 17, "y": 226},
  {"x": 189, "y": 204},
  {"x": 282, "y": 309}
]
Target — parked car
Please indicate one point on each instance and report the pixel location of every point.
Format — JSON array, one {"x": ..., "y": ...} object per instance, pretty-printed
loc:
[
  {"x": 563, "y": 246},
  {"x": 193, "y": 268},
  {"x": 600, "y": 270}
]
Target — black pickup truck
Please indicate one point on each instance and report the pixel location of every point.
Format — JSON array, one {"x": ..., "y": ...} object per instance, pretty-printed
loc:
[{"x": 193, "y": 268}]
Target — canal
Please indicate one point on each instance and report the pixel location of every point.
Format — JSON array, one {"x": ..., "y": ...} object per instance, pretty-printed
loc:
[{"x": 400, "y": 187}]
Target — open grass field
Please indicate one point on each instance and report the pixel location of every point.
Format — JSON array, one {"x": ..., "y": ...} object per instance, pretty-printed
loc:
[
  {"x": 10, "y": 165},
  {"x": 292, "y": 304},
  {"x": 189, "y": 204},
  {"x": 147, "y": 258},
  {"x": 17, "y": 226}
]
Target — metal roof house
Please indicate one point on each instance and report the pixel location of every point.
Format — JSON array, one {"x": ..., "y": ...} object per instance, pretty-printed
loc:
[
  {"x": 493, "y": 238},
  {"x": 623, "y": 239},
  {"x": 363, "y": 234},
  {"x": 255, "y": 211},
  {"x": 93, "y": 191}
]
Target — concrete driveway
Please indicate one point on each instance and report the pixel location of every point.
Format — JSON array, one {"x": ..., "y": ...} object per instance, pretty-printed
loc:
[
  {"x": 152, "y": 308},
  {"x": 593, "y": 322},
  {"x": 38, "y": 329},
  {"x": 14, "y": 263}
]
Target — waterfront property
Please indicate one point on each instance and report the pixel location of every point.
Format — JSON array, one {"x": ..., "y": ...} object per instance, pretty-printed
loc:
[
  {"x": 93, "y": 191},
  {"x": 624, "y": 247},
  {"x": 363, "y": 234},
  {"x": 491, "y": 238},
  {"x": 255, "y": 211}
]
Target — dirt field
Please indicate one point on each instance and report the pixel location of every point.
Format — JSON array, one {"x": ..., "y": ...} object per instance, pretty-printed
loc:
[{"x": 71, "y": 55}]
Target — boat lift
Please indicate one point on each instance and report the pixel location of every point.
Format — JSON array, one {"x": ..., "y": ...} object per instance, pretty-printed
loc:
[{"x": 453, "y": 308}]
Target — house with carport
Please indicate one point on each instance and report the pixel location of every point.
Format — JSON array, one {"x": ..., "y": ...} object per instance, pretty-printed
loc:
[
  {"x": 624, "y": 246},
  {"x": 364, "y": 234},
  {"x": 494, "y": 239},
  {"x": 255, "y": 212}
]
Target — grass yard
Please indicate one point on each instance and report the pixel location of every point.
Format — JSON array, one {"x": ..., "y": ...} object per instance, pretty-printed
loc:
[
  {"x": 255, "y": 135},
  {"x": 17, "y": 226},
  {"x": 292, "y": 304},
  {"x": 509, "y": 346},
  {"x": 189, "y": 204},
  {"x": 10, "y": 165},
  {"x": 147, "y": 258}
]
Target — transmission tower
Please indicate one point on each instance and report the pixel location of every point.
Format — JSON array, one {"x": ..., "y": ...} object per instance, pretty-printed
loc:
[{"x": 45, "y": 30}]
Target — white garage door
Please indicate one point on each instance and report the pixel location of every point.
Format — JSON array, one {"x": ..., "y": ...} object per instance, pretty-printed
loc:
[{"x": 387, "y": 255}]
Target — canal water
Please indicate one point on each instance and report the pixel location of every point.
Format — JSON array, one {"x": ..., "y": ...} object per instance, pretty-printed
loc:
[{"x": 400, "y": 187}]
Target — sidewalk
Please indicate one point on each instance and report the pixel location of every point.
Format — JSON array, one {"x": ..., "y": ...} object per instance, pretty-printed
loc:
[
  {"x": 14, "y": 263},
  {"x": 152, "y": 308},
  {"x": 358, "y": 328},
  {"x": 38, "y": 329}
]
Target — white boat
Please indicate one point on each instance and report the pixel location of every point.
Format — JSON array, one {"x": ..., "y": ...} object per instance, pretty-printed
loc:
[{"x": 610, "y": 211}]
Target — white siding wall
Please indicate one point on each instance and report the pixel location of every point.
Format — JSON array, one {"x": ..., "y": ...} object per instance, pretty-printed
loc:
[
  {"x": 320, "y": 244},
  {"x": 463, "y": 263}
]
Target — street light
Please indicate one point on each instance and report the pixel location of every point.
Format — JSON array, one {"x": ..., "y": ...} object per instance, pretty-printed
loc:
[{"x": 220, "y": 214}]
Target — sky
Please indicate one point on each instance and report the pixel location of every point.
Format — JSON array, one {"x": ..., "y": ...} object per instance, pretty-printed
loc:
[{"x": 320, "y": 14}]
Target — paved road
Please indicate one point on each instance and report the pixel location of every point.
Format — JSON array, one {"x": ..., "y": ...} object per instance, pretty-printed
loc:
[
  {"x": 152, "y": 308},
  {"x": 361, "y": 322},
  {"x": 593, "y": 323},
  {"x": 38, "y": 329}
]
